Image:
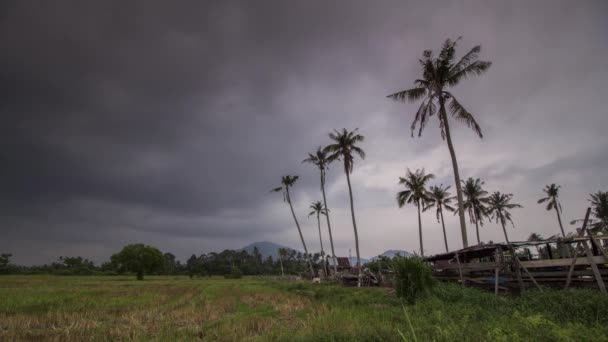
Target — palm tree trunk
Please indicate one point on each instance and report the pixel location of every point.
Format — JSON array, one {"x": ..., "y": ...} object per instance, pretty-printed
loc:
[
  {"x": 352, "y": 212},
  {"x": 420, "y": 229},
  {"x": 448, "y": 136},
  {"x": 477, "y": 230},
  {"x": 445, "y": 237},
  {"x": 321, "y": 242},
  {"x": 504, "y": 230},
  {"x": 312, "y": 272},
  {"x": 281, "y": 262},
  {"x": 331, "y": 238},
  {"x": 559, "y": 219}
]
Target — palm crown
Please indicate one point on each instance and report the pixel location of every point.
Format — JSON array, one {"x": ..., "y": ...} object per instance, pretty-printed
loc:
[
  {"x": 499, "y": 205},
  {"x": 440, "y": 198},
  {"x": 552, "y": 193},
  {"x": 286, "y": 182},
  {"x": 599, "y": 202},
  {"x": 318, "y": 158},
  {"x": 344, "y": 147},
  {"x": 439, "y": 74},
  {"x": 317, "y": 208},
  {"x": 475, "y": 199},
  {"x": 415, "y": 184}
]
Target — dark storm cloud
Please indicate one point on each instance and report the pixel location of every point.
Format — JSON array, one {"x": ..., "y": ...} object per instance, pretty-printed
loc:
[{"x": 148, "y": 121}]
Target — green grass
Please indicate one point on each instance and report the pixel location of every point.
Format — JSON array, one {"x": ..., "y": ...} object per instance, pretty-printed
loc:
[{"x": 252, "y": 309}]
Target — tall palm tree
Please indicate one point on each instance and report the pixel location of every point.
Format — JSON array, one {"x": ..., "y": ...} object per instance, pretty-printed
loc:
[
  {"x": 474, "y": 203},
  {"x": 415, "y": 193},
  {"x": 552, "y": 192},
  {"x": 318, "y": 209},
  {"x": 440, "y": 198},
  {"x": 319, "y": 158},
  {"x": 286, "y": 183},
  {"x": 499, "y": 205},
  {"x": 439, "y": 74},
  {"x": 344, "y": 147},
  {"x": 282, "y": 252}
]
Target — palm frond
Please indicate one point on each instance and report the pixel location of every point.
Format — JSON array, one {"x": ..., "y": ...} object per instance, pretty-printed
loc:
[
  {"x": 461, "y": 114},
  {"x": 474, "y": 69},
  {"x": 409, "y": 94}
]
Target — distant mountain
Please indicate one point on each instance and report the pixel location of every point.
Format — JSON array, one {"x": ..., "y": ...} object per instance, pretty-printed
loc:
[
  {"x": 391, "y": 253},
  {"x": 265, "y": 248}
]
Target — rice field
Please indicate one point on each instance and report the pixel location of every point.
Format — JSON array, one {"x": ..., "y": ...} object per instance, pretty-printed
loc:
[{"x": 95, "y": 308}]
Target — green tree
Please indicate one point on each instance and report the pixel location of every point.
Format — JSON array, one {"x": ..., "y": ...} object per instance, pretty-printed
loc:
[
  {"x": 286, "y": 183},
  {"x": 439, "y": 74},
  {"x": 169, "y": 264},
  {"x": 599, "y": 207},
  {"x": 344, "y": 147},
  {"x": 320, "y": 159},
  {"x": 317, "y": 209},
  {"x": 552, "y": 194},
  {"x": 415, "y": 193},
  {"x": 5, "y": 259},
  {"x": 499, "y": 205},
  {"x": 139, "y": 258},
  {"x": 439, "y": 197},
  {"x": 475, "y": 201},
  {"x": 535, "y": 237}
]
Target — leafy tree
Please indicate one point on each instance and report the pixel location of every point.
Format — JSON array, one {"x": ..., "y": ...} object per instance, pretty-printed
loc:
[
  {"x": 344, "y": 147},
  {"x": 5, "y": 259},
  {"x": 415, "y": 193},
  {"x": 599, "y": 205},
  {"x": 475, "y": 202},
  {"x": 552, "y": 194},
  {"x": 535, "y": 237},
  {"x": 320, "y": 159},
  {"x": 439, "y": 197},
  {"x": 286, "y": 183},
  {"x": 169, "y": 264},
  {"x": 499, "y": 205},
  {"x": 439, "y": 74},
  {"x": 318, "y": 210},
  {"x": 139, "y": 258}
]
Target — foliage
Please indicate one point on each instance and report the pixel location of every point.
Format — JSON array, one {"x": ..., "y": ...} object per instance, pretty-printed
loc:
[
  {"x": 599, "y": 205},
  {"x": 235, "y": 273},
  {"x": 475, "y": 199},
  {"x": 140, "y": 259},
  {"x": 413, "y": 278},
  {"x": 552, "y": 194},
  {"x": 415, "y": 188},
  {"x": 439, "y": 197},
  {"x": 498, "y": 208}
]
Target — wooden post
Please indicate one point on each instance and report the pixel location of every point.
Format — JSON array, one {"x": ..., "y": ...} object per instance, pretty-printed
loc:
[
  {"x": 578, "y": 244},
  {"x": 520, "y": 281},
  {"x": 528, "y": 273},
  {"x": 460, "y": 270},
  {"x": 597, "y": 244},
  {"x": 496, "y": 281},
  {"x": 596, "y": 271}
]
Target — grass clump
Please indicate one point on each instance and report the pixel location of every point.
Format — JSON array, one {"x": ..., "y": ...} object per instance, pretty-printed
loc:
[{"x": 413, "y": 278}]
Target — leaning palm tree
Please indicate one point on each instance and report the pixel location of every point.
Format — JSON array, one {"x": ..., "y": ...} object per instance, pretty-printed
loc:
[
  {"x": 440, "y": 198},
  {"x": 286, "y": 183},
  {"x": 344, "y": 148},
  {"x": 318, "y": 209},
  {"x": 415, "y": 193},
  {"x": 474, "y": 202},
  {"x": 439, "y": 74},
  {"x": 319, "y": 158},
  {"x": 552, "y": 192},
  {"x": 498, "y": 208}
]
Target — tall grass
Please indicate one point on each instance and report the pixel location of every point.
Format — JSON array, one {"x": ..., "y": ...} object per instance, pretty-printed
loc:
[{"x": 413, "y": 278}]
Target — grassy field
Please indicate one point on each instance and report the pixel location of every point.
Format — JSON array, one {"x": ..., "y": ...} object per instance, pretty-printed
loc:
[{"x": 178, "y": 308}]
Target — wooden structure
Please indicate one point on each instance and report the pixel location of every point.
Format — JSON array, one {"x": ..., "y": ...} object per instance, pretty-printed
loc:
[{"x": 576, "y": 261}]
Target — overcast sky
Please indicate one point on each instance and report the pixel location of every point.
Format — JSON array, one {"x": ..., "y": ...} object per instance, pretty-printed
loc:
[{"x": 167, "y": 124}]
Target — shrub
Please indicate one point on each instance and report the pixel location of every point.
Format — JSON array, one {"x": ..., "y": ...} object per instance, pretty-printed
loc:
[
  {"x": 235, "y": 273},
  {"x": 413, "y": 278}
]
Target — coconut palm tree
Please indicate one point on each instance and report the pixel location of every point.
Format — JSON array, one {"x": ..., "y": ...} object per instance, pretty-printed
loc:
[
  {"x": 552, "y": 192},
  {"x": 499, "y": 205},
  {"x": 535, "y": 237},
  {"x": 318, "y": 209},
  {"x": 415, "y": 193},
  {"x": 474, "y": 202},
  {"x": 319, "y": 158},
  {"x": 286, "y": 183},
  {"x": 599, "y": 206},
  {"x": 438, "y": 75},
  {"x": 440, "y": 198},
  {"x": 344, "y": 147}
]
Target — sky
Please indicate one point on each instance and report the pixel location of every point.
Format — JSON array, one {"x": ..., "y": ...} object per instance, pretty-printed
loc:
[{"x": 168, "y": 123}]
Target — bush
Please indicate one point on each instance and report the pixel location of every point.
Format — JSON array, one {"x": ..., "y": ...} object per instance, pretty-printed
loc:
[
  {"x": 235, "y": 273},
  {"x": 413, "y": 278}
]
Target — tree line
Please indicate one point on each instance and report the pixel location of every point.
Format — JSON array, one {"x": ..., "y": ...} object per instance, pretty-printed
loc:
[{"x": 140, "y": 260}]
